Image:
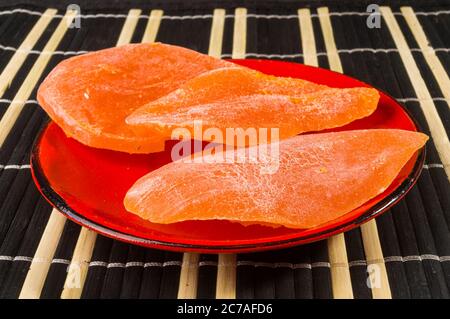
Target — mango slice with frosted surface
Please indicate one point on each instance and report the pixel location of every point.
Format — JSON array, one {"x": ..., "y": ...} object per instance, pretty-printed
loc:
[
  {"x": 89, "y": 96},
  {"x": 292, "y": 110},
  {"x": 320, "y": 177}
]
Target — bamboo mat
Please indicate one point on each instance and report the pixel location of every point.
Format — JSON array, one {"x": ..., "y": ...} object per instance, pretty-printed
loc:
[{"x": 405, "y": 253}]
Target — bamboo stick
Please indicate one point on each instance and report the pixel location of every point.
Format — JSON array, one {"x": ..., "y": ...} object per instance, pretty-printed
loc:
[
  {"x": 432, "y": 117},
  {"x": 226, "y": 277},
  {"x": 328, "y": 36},
  {"x": 151, "y": 30},
  {"x": 428, "y": 52},
  {"x": 307, "y": 36},
  {"x": 79, "y": 265},
  {"x": 22, "y": 52},
  {"x": 16, "y": 106},
  {"x": 374, "y": 256},
  {"x": 239, "y": 33},
  {"x": 216, "y": 38},
  {"x": 34, "y": 282},
  {"x": 340, "y": 273},
  {"x": 187, "y": 288},
  {"x": 129, "y": 26}
]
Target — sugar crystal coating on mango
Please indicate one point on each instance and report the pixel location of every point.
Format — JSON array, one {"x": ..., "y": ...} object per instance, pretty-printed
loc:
[
  {"x": 89, "y": 96},
  {"x": 320, "y": 177}
]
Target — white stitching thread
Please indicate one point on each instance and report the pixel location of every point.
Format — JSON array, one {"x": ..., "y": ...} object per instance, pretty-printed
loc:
[
  {"x": 26, "y": 166},
  {"x": 164, "y": 264},
  {"x": 19, "y": 102},
  {"x": 414, "y": 99},
  {"x": 9, "y": 48},
  {"x": 209, "y": 16},
  {"x": 356, "y": 263},
  {"x": 271, "y": 16},
  {"x": 61, "y": 261},
  {"x": 172, "y": 263},
  {"x": 239, "y": 263},
  {"x": 255, "y": 55},
  {"x": 115, "y": 265},
  {"x": 38, "y": 13},
  {"x": 434, "y": 13},
  {"x": 134, "y": 264},
  {"x": 86, "y": 16},
  {"x": 98, "y": 263},
  {"x": 190, "y": 17},
  {"x": 320, "y": 264},
  {"x": 343, "y": 51},
  {"x": 273, "y": 265},
  {"x": 23, "y": 258},
  {"x": 207, "y": 263},
  {"x": 430, "y": 49},
  {"x": 428, "y": 166},
  {"x": 417, "y": 258},
  {"x": 393, "y": 259},
  {"x": 6, "y": 258}
]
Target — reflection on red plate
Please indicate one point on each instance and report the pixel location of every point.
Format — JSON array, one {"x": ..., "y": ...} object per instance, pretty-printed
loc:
[{"x": 88, "y": 184}]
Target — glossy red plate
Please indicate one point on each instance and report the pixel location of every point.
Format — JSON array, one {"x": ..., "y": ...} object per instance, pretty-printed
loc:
[{"x": 88, "y": 184}]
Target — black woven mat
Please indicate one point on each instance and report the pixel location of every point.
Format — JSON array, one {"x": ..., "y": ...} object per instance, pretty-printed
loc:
[{"x": 414, "y": 236}]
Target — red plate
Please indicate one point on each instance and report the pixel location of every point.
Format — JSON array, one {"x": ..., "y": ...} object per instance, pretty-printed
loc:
[{"x": 88, "y": 184}]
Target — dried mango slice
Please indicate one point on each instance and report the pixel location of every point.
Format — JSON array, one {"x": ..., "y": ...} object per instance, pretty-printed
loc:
[
  {"x": 292, "y": 115},
  {"x": 227, "y": 84},
  {"x": 320, "y": 177},
  {"x": 89, "y": 96}
]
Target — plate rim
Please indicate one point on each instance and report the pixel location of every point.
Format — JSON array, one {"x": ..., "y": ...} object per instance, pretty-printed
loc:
[{"x": 396, "y": 195}]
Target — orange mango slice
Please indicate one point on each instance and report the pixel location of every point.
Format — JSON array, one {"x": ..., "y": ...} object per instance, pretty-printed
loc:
[
  {"x": 317, "y": 110},
  {"x": 320, "y": 177},
  {"x": 89, "y": 96},
  {"x": 226, "y": 84}
]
